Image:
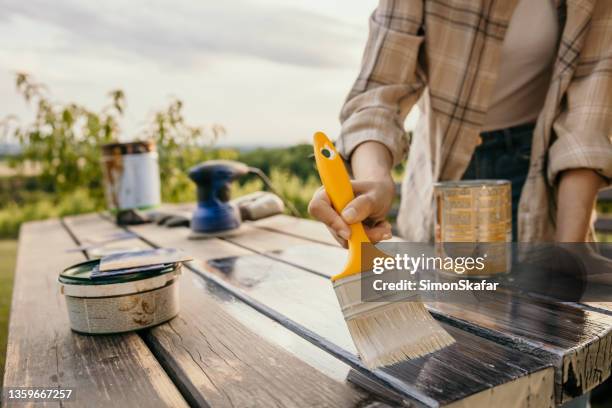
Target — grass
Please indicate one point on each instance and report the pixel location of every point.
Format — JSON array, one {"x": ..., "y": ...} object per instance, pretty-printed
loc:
[
  {"x": 42, "y": 205},
  {"x": 8, "y": 254}
]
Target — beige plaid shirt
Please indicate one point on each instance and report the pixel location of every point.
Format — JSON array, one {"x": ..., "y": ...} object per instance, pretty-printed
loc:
[{"x": 444, "y": 54}]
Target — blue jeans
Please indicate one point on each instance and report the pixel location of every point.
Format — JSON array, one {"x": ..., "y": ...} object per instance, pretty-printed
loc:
[{"x": 504, "y": 154}]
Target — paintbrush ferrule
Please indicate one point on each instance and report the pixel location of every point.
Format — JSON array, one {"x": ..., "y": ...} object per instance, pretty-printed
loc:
[{"x": 355, "y": 299}]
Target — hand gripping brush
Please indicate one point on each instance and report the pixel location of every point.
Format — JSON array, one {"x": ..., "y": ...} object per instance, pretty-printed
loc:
[{"x": 384, "y": 332}]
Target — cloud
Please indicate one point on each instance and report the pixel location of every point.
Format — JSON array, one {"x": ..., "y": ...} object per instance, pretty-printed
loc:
[{"x": 182, "y": 32}]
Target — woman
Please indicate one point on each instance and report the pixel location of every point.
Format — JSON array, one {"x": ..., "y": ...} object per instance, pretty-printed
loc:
[
  {"x": 507, "y": 89},
  {"x": 512, "y": 89}
]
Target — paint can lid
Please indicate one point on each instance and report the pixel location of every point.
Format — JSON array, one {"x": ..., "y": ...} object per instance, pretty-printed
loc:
[
  {"x": 471, "y": 183},
  {"x": 76, "y": 280},
  {"x": 135, "y": 147}
]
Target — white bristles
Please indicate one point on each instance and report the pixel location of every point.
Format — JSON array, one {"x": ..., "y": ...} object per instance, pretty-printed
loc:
[
  {"x": 396, "y": 331},
  {"x": 391, "y": 326}
]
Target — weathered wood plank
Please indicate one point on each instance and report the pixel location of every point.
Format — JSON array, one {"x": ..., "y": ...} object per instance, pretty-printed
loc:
[
  {"x": 577, "y": 340},
  {"x": 42, "y": 351},
  {"x": 222, "y": 352},
  {"x": 298, "y": 227},
  {"x": 472, "y": 370}
]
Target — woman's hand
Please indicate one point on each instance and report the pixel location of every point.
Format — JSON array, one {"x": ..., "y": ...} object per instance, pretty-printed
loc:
[
  {"x": 371, "y": 204},
  {"x": 576, "y": 198},
  {"x": 374, "y": 192}
]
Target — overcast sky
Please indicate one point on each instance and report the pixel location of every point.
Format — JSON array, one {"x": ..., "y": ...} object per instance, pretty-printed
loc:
[{"x": 270, "y": 71}]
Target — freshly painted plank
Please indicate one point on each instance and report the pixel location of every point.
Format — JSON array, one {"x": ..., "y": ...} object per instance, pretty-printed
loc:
[
  {"x": 276, "y": 284},
  {"x": 576, "y": 340},
  {"x": 117, "y": 370},
  {"x": 222, "y": 352},
  {"x": 473, "y": 369}
]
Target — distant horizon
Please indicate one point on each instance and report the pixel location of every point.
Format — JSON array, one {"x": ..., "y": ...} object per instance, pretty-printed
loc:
[{"x": 14, "y": 147}]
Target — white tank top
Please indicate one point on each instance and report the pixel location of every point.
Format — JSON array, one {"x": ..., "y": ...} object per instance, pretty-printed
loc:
[{"x": 527, "y": 57}]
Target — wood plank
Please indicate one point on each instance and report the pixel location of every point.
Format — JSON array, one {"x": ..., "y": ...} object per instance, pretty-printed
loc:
[
  {"x": 603, "y": 224},
  {"x": 224, "y": 353},
  {"x": 578, "y": 341},
  {"x": 300, "y": 228},
  {"x": 297, "y": 227},
  {"x": 474, "y": 369},
  {"x": 42, "y": 351},
  {"x": 256, "y": 240}
]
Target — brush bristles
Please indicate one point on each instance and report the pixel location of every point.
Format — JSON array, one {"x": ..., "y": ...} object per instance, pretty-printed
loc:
[{"x": 396, "y": 332}]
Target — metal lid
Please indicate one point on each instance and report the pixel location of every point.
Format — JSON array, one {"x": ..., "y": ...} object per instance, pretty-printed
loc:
[
  {"x": 135, "y": 147},
  {"x": 471, "y": 183},
  {"x": 76, "y": 280}
]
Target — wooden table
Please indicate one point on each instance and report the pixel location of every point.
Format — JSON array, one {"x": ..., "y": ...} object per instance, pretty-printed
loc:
[{"x": 260, "y": 326}]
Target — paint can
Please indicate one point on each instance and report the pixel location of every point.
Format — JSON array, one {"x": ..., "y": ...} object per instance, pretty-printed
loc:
[
  {"x": 122, "y": 303},
  {"x": 474, "y": 218},
  {"x": 131, "y": 175}
]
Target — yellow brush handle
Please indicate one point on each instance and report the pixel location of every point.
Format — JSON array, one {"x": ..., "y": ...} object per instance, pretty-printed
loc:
[{"x": 337, "y": 184}]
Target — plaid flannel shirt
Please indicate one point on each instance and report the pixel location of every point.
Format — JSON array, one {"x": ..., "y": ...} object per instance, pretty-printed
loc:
[{"x": 444, "y": 55}]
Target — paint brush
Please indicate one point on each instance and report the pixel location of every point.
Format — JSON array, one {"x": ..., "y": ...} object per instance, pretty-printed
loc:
[{"x": 384, "y": 332}]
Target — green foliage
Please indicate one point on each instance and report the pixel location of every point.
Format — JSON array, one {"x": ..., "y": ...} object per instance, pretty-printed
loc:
[
  {"x": 64, "y": 141},
  {"x": 180, "y": 147},
  {"x": 292, "y": 171},
  {"x": 296, "y": 160},
  {"x": 290, "y": 186},
  {"x": 45, "y": 205}
]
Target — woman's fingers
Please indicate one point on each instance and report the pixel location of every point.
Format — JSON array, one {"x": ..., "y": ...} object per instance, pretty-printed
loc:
[
  {"x": 363, "y": 207},
  {"x": 320, "y": 207},
  {"x": 358, "y": 210},
  {"x": 340, "y": 240},
  {"x": 372, "y": 201},
  {"x": 379, "y": 232}
]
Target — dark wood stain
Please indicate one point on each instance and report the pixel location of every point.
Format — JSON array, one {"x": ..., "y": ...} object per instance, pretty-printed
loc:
[
  {"x": 471, "y": 364},
  {"x": 304, "y": 301},
  {"x": 577, "y": 340}
]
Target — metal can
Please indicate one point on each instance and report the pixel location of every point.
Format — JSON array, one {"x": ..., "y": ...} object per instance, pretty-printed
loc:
[
  {"x": 121, "y": 303},
  {"x": 131, "y": 175},
  {"x": 474, "y": 217}
]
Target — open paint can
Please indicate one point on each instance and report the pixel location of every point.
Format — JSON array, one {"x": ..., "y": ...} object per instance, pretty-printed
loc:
[
  {"x": 474, "y": 218},
  {"x": 131, "y": 175},
  {"x": 122, "y": 303}
]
